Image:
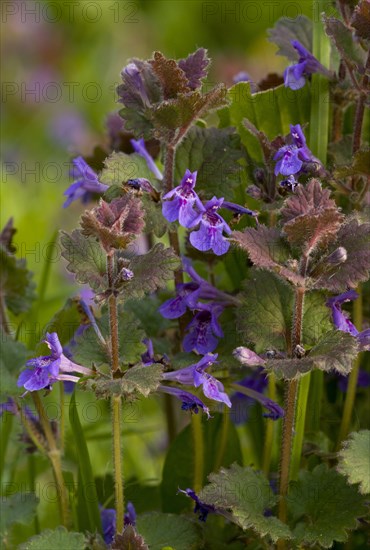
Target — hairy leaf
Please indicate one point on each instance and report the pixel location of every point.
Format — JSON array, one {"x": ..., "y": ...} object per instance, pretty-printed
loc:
[
  {"x": 322, "y": 507},
  {"x": 215, "y": 153},
  {"x": 285, "y": 30},
  {"x": 195, "y": 67},
  {"x": 360, "y": 165},
  {"x": 58, "y": 538},
  {"x": 16, "y": 508},
  {"x": 267, "y": 248},
  {"x": 172, "y": 78},
  {"x": 141, "y": 379},
  {"x": 307, "y": 199},
  {"x": 151, "y": 271},
  {"x": 354, "y": 237},
  {"x": 129, "y": 540},
  {"x": 342, "y": 39},
  {"x": 247, "y": 493},
  {"x": 120, "y": 167},
  {"x": 155, "y": 222},
  {"x": 162, "y": 531},
  {"x": 335, "y": 352},
  {"x": 15, "y": 282},
  {"x": 361, "y": 19},
  {"x": 354, "y": 460},
  {"x": 13, "y": 357},
  {"x": 85, "y": 258},
  {"x": 311, "y": 230}
]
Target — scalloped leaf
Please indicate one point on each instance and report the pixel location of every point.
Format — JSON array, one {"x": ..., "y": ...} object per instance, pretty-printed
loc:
[
  {"x": 360, "y": 165},
  {"x": 312, "y": 230},
  {"x": 285, "y": 30},
  {"x": 307, "y": 199},
  {"x": 137, "y": 380},
  {"x": 354, "y": 237},
  {"x": 354, "y": 460},
  {"x": 342, "y": 38},
  {"x": 322, "y": 506},
  {"x": 16, "y": 282},
  {"x": 335, "y": 352},
  {"x": 151, "y": 271},
  {"x": 195, "y": 67},
  {"x": 57, "y": 538},
  {"x": 86, "y": 259},
  {"x": 16, "y": 508},
  {"x": 13, "y": 357},
  {"x": 129, "y": 540},
  {"x": 267, "y": 249},
  {"x": 216, "y": 154},
  {"x": 162, "y": 531},
  {"x": 247, "y": 493},
  {"x": 172, "y": 78},
  {"x": 120, "y": 167}
]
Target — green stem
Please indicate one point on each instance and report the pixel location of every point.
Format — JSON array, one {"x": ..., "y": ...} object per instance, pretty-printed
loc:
[
  {"x": 304, "y": 386},
  {"x": 270, "y": 428},
  {"x": 223, "y": 440},
  {"x": 32, "y": 477},
  {"x": 198, "y": 451},
  {"x": 116, "y": 401},
  {"x": 62, "y": 416},
  {"x": 315, "y": 401},
  {"x": 353, "y": 377},
  {"x": 6, "y": 429},
  {"x": 54, "y": 457}
]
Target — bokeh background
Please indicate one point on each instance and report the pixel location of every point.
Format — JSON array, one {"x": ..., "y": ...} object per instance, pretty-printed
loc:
[{"x": 61, "y": 63}]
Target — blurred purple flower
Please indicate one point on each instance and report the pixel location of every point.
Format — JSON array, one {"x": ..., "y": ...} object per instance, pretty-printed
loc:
[
  {"x": 291, "y": 157},
  {"x": 86, "y": 184},
  {"x": 204, "y": 330},
  {"x": 184, "y": 199},
  {"x": 363, "y": 380},
  {"x": 341, "y": 320},
  {"x": 239, "y": 210},
  {"x": 132, "y": 75},
  {"x": 140, "y": 149},
  {"x": 9, "y": 406},
  {"x": 255, "y": 383},
  {"x": 147, "y": 357},
  {"x": 43, "y": 371},
  {"x": 130, "y": 515},
  {"x": 108, "y": 520},
  {"x": 295, "y": 75},
  {"x": 195, "y": 375},
  {"x": 241, "y": 76},
  {"x": 210, "y": 234},
  {"x": 190, "y": 402},
  {"x": 290, "y": 183},
  {"x": 200, "y": 508}
]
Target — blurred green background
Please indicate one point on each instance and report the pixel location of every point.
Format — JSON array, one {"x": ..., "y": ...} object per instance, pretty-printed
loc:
[{"x": 61, "y": 63}]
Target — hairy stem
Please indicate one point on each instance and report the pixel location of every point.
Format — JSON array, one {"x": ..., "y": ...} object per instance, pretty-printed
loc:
[
  {"x": 54, "y": 457},
  {"x": 116, "y": 401},
  {"x": 198, "y": 451},
  {"x": 299, "y": 429},
  {"x": 353, "y": 377}
]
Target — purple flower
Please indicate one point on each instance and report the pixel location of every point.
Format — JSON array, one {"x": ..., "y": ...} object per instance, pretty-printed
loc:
[
  {"x": 342, "y": 322},
  {"x": 241, "y": 403},
  {"x": 241, "y": 76},
  {"x": 132, "y": 75},
  {"x": 295, "y": 75},
  {"x": 139, "y": 146},
  {"x": 108, "y": 520},
  {"x": 9, "y": 406},
  {"x": 254, "y": 384},
  {"x": 86, "y": 183},
  {"x": 43, "y": 371},
  {"x": 363, "y": 380},
  {"x": 196, "y": 375},
  {"x": 190, "y": 402},
  {"x": 210, "y": 234},
  {"x": 290, "y": 183},
  {"x": 204, "y": 330},
  {"x": 201, "y": 507},
  {"x": 130, "y": 515},
  {"x": 184, "y": 199},
  {"x": 239, "y": 210},
  {"x": 148, "y": 356},
  {"x": 291, "y": 157}
]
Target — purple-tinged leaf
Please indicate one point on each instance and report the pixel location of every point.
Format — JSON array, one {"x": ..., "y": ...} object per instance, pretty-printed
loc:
[
  {"x": 129, "y": 540},
  {"x": 172, "y": 78},
  {"x": 307, "y": 200},
  {"x": 361, "y": 19},
  {"x": 335, "y": 352},
  {"x": 360, "y": 165},
  {"x": 6, "y": 236},
  {"x": 286, "y": 29},
  {"x": 314, "y": 229},
  {"x": 195, "y": 67}
]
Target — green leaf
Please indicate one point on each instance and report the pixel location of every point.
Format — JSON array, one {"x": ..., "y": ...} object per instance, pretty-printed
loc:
[
  {"x": 86, "y": 259},
  {"x": 342, "y": 38},
  {"x": 335, "y": 352},
  {"x": 322, "y": 507},
  {"x": 58, "y": 538},
  {"x": 360, "y": 165},
  {"x": 120, "y": 167},
  {"x": 216, "y": 155},
  {"x": 17, "y": 508},
  {"x": 286, "y": 29},
  {"x": 88, "y": 499},
  {"x": 13, "y": 357},
  {"x": 136, "y": 380},
  {"x": 151, "y": 271},
  {"x": 178, "y": 470},
  {"x": 155, "y": 222},
  {"x": 66, "y": 321},
  {"x": 271, "y": 111},
  {"x": 247, "y": 493},
  {"x": 89, "y": 349},
  {"x": 169, "y": 530},
  {"x": 15, "y": 282},
  {"x": 354, "y": 460}
]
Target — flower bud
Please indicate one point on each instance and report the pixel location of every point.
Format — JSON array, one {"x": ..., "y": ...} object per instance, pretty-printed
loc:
[
  {"x": 247, "y": 357},
  {"x": 339, "y": 256}
]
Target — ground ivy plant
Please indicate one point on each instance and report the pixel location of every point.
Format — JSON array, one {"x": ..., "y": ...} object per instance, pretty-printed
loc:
[{"x": 225, "y": 234}]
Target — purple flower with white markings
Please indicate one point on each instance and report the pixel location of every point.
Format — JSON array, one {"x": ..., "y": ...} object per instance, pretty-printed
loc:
[
  {"x": 209, "y": 236},
  {"x": 290, "y": 183},
  {"x": 183, "y": 201},
  {"x": 291, "y": 157},
  {"x": 342, "y": 322},
  {"x": 190, "y": 402},
  {"x": 204, "y": 330},
  {"x": 200, "y": 507},
  {"x": 43, "y": 371},
  {"x": 87, "y": 183},
  {"x": 195, "y": 375},
  {"x": 139, "y": 147},
  {"x": 295, "y": 75}
]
